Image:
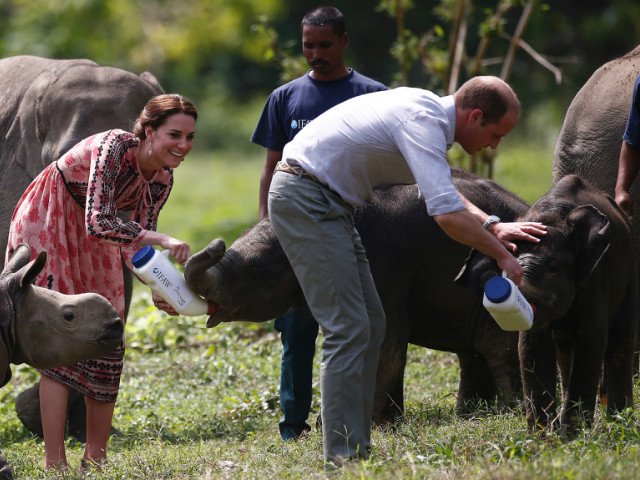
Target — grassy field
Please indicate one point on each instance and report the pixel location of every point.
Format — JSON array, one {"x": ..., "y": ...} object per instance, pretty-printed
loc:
[{"x": 203, "y": 404}]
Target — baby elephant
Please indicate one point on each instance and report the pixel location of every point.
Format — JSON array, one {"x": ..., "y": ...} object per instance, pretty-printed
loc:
[
  {"x": 582, "y": 281},
  {"x": 47, "y": 329},
  {"x": 413, "y": 264}
]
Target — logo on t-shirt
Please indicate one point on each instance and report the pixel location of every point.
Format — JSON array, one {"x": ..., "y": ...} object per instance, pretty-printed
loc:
[{"x": 298, "y": 124}]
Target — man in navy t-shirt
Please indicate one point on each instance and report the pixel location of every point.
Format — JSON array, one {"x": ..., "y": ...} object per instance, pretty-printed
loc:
[
  {"x": 629, "y": 162},
  {"x": 288, "y": 109}
]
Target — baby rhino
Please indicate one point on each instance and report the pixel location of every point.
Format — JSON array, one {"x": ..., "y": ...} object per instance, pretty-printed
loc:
[{"x": 47, "y": 329}]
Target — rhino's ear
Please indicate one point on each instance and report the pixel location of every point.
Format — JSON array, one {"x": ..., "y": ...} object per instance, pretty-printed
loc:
[
  {"x": 19, "y": 258},
  {"x": 590, "y": 234},
  {"x": 29, "y": 272}
]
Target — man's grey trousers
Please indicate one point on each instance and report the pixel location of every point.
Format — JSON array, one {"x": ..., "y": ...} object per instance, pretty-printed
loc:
[{"x": 316, "y": 230}]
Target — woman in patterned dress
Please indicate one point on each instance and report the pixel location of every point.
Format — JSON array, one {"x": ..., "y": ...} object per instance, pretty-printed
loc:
[{"x": 95, "y": 205}]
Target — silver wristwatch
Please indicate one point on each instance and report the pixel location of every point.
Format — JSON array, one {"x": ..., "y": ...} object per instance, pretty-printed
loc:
[{"x": 491, "y": 219}]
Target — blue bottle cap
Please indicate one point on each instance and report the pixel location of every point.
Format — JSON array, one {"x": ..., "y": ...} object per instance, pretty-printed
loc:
[
  {"x": 142, "y": 256},
  {"x": 497, "y": 289}
]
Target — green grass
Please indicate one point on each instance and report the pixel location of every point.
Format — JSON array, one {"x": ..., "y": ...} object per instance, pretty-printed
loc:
[
  {"x": 524, "y": 169},
  {"x": 208, "y": 411},
  {"x": 200, "y": 403}
]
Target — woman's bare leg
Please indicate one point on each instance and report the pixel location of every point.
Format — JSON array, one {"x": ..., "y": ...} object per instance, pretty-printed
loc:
[
  {"x": 54, "y": 397},
  {"x": 99, "y": 417}
]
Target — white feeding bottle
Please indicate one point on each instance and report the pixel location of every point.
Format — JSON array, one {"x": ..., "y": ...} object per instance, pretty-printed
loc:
[
  {"x": 506, "y": 304},
  {"x": 160, "y": 274}
]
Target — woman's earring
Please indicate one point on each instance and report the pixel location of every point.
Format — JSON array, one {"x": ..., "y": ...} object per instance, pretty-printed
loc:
[{"x": 150, "y": 147}]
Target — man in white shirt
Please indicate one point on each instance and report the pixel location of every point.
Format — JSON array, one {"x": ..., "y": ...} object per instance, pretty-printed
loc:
[{"x": 333, "y": 165}]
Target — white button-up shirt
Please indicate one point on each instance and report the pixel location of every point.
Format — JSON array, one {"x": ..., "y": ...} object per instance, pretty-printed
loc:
[{"x": 397, "y": 136}]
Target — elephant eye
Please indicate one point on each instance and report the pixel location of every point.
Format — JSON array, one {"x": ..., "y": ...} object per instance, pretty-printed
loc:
[{"x": 68, "y": 315}]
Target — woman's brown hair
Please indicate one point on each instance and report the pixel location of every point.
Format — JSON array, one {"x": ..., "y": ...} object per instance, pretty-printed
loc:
[{"x": 156, "y": 111}]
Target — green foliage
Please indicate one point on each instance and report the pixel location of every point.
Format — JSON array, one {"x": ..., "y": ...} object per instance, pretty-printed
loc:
[
  {"x": 285, "y": 54},
  {"x": 135, "y": 34},
  {"x": 227, "y": 55},
  {"x": 180, "y": 42}
]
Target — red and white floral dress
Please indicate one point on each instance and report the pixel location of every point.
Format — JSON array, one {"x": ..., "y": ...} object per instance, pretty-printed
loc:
[{"x": 84, "y": 210}]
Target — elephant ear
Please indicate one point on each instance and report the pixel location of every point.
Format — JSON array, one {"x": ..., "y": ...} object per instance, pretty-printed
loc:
[
  {"x": 28, "y": 129},
  {"x": 477, "y": 269},
  {"x": 590, "y": 234},
  {"x": 151, "y": 79}
]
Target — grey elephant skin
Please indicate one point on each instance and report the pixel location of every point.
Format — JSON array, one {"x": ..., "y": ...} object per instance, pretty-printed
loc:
[
  {"x": 50, "y": 105},
  {"x": 413, "y": 263},
  {"x": 591, "y": 136},
  {"x": 582, "y": 281},
  {"x": 47, "y": 329}
]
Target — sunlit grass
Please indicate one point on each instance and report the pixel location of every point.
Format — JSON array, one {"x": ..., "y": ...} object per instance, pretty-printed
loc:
[
  {"x": 197, "y": 412},
  {"x": 524, "y": 169}
]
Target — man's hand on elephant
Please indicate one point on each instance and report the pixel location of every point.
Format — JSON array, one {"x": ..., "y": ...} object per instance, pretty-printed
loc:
[
  {"x": 625, "y": 202},
  {"x": 510, "y": 265},
  {"x": 506, "y": 232}
]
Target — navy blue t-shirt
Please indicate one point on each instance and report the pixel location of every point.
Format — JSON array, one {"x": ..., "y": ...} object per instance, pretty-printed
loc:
[
  {"x": 294, "y": 104},
  {"x": 632, "y": 132}
]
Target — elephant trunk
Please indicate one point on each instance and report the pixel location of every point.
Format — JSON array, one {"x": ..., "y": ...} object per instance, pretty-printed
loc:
[{"x": 197, "y": 270}]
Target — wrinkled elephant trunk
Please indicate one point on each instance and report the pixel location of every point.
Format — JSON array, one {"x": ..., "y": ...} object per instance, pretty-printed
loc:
[{"x": 197, "y": 271}]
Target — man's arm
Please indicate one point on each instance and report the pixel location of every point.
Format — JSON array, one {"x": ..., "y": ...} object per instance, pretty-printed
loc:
[
  {"x": 505, "y": 232},
  {"x": 628, "y": 167},
  {"x": 463, "y": 226},
  {"x": 273, "y": 157}
]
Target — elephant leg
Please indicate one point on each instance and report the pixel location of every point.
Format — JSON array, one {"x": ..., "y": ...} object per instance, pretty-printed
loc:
[
  {"x": 77, "y": 416},
  {"x": 477, "y": 388},
  {"x": 388, "y": 404},
  {"x": 538, "y": 371},
  {"x": 500, "y": 352},
  {"x": 588, "y": 343},
  {"x": 579, "y": 401},
  {"x": 5, "y": 470},
  {"x": 28, "y": 409},
  {"x": 619, "y": 377},
  {"x": 564, "y": 360},
  {"x": 620, "y": 354}
]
